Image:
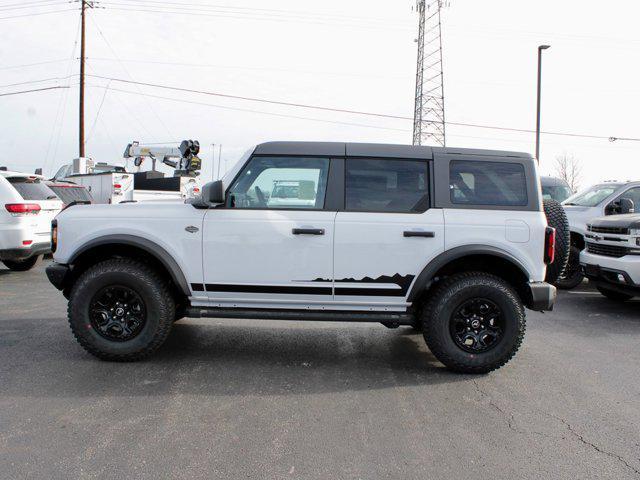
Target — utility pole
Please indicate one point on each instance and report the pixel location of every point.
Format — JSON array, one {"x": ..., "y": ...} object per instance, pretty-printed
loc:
[
  {"x": 213, "y": 161},
  {"x": 428, "y": 119},
  {"x": 540, "y": 49},
  {"x": 82, "y": 54},
  {"x": 219, "y": 160}
]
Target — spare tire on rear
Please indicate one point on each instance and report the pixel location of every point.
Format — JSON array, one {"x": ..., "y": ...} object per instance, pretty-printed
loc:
[{"x": 557, "y": 218}]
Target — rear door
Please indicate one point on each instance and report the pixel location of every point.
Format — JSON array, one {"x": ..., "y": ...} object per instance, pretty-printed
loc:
[{"x": 386, "y": 234}]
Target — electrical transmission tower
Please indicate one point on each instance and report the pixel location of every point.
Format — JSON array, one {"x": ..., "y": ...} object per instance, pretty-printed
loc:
[{"x": 428, "y": 119}]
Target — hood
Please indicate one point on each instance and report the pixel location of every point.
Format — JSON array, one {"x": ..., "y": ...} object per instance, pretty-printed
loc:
[{"x": 628, "y": 220}]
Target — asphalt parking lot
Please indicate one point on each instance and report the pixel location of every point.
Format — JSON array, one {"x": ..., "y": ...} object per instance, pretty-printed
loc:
[{"x": 270, "y": 400}]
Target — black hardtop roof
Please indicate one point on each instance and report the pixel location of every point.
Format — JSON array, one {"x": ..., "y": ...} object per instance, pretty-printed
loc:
[
  {"x": 553, "y": 182},
  {"x": 378, "y": 150}
]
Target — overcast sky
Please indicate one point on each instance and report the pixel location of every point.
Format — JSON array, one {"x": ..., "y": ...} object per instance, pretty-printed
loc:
[{"x": 349, "y": 54}]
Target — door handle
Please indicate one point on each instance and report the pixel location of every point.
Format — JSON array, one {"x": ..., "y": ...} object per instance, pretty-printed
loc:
[
  {"x": 308, "y": 231},
  {"x": 414, "y": 233}
]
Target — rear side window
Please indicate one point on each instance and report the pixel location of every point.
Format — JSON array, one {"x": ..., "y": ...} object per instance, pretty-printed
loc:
[
  {"x": 487, "y": 183},
  {"x": 31, "y": 188},
  {"x": 71, "y": 194},
  {"x": 399, "y": 186}
]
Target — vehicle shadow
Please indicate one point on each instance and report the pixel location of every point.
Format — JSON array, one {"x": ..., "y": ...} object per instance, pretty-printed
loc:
[{"x": 220, "y": 360}]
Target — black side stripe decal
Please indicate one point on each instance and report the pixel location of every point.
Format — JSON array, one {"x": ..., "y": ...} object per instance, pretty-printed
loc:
[
  {"x": 268, "y": 289},
  {"x": 401, "y": 281},
  {"x": 370, "y": 292}
]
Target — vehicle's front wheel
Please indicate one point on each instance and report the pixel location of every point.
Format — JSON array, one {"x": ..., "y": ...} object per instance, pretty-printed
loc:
[
  {"x": 473, "y": 322},
  {"x": 613, "y": 295},
  {"x": 22, "y": 265},
  {"x": 121, "y": 310}
]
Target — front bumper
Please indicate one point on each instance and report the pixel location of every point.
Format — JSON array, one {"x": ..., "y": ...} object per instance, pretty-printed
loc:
[
  {"x": 612, "y": 273},
  {"x": 58, "y": 274},
  {"x": 24, "y": 253},
  {"x": 543, "y": 296}
]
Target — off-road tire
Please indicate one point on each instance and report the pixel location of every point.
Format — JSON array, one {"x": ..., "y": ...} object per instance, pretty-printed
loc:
[
  {"x": 22, "y": 265},
  {"x": 445, "y": 299},
  {"x": 153, "y": 289},
  {"x": 572, "y": 276},
  {"x": 613, "y": 295},
  {"x": 557, "y": 218}
]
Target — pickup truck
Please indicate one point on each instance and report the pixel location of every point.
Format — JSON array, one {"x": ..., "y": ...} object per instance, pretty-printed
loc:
[{"x": 452, "y": 242}]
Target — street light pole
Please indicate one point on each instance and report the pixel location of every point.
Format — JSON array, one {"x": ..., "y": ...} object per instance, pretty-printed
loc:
[{"x": 540, "y": 49}]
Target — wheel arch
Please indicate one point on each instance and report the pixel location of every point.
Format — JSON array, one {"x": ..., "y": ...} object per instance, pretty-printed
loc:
[
  {"x": 467, "y": 258},
  {"x": 132, "y": 246},
  {"x": 577, "y": 240}
]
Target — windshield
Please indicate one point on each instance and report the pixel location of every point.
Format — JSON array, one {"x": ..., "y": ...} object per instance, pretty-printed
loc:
[
  {"x": 592, "y": 196},
  {"x": 559, "y": 193},
  {"x": 31, "y": 188}
]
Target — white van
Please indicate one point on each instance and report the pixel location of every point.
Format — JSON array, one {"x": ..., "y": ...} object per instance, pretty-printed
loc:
[{"x": 27, "y": 207}]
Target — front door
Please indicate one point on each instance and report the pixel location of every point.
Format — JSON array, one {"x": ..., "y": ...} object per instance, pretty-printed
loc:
[
  {"x": 386, "y": 234},
  {"x": 271, "y": 246}
]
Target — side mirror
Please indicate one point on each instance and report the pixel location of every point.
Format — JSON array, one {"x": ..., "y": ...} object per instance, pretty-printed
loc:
[
  {"x": 626, "y": 205},
  {"x": 213, "y": 192}
]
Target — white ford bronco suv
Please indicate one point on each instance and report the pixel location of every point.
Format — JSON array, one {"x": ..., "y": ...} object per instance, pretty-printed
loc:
[{"x": 450, "y": 241}]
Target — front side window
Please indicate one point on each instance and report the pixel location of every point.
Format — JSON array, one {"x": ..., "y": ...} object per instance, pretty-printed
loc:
[
  {"x": 281, "y": 183},
  {"x": 386, "y": 186},
  {"x": 633, "y": 194},
  {"x": 487, "y": 183}
]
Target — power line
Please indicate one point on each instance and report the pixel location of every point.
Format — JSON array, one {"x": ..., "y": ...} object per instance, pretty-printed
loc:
[
  {"x": 223, "y": 107},
  {"x": 35, "y": 81},
  {"x": 150, "y": 106},
  {"x": 4, "y": 8},
  {"x": 241, "y": 16},
  {"x": 340, "y": 110},
  {"x": 30, "y": 91},
  {"x": 41, "y": 13},
  {"x": 25, "y": 65},
  {"x": 254, "y": 99}
]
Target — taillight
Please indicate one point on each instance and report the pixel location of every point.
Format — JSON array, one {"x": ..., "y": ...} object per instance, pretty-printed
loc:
[
  {"x": 117, "y": 186},
  {"x": 22, "y": 208},
  {"x": 549, "y": 245},
  {"x": 54, "y": 236}
]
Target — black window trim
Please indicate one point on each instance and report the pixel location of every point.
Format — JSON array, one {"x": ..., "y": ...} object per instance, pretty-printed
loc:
[
  {"x": 331, "y": 159},
  {"x": 442, "y": 197},
  {"x": 524, "y": 173},
  {"x": 429, "y": 179}
]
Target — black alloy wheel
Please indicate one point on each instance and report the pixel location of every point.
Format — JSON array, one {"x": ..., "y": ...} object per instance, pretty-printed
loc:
[
  {"x": 117, "y": 313},
  {"x": 477, "y": 325}
]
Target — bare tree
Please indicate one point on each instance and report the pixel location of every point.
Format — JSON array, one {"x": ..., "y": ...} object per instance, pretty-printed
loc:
[{"x": 569, "y": 169}]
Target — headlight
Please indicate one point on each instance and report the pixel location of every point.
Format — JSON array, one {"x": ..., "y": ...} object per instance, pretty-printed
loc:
[{"x": 634, "y": 232}]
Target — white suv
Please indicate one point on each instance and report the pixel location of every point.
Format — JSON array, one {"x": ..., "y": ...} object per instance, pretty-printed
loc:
[
  {"x": 27, "y": 207},
  {"x": 450, "y": 241}
]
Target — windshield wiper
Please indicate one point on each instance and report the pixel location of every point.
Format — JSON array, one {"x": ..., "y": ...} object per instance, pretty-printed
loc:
[
  {"x": 52, "y": 197},
  {"x": 571, "y": 204}
]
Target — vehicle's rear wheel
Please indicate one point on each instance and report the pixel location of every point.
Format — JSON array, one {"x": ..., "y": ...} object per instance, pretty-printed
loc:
[
  {"x": 557, "y": 218},
  {"x": 572, "y": 275},
  {"x": 22, "y": 265},
  {"x": 473, "y": 322},
  {"x": 121, "y": 310},
  {"x": 613, "y": 295}
]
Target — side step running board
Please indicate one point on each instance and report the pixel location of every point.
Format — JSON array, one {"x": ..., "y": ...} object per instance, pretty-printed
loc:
[{"x": 317, "y": 315}]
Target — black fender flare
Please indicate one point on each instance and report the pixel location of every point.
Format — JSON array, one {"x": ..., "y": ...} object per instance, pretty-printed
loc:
[
  {"x": 152, "y": 248},
  {"x": 429, "y": 271}
]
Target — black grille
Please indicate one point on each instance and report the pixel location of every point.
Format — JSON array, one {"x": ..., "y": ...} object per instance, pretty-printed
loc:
[
  {"x": 614, "y": 230},
  {"x": 607, "y": 250}
]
